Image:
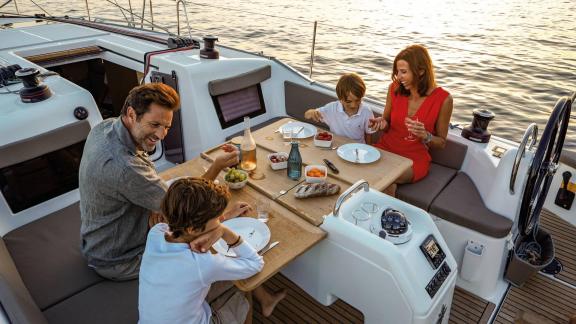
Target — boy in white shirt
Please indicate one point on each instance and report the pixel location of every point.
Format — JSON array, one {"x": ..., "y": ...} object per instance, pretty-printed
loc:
[
  {"x": 175, "y": 281},
  {"x": 347, "y": 116}
]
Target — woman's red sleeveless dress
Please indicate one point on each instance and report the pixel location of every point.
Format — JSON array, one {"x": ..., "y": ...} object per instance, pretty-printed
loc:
[{"x": 394, "y": 139}]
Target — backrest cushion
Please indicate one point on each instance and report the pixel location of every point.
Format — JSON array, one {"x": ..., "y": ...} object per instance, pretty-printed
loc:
[
  {"x": 299, "y": 99},
  {"x": 451, "y": 156}
]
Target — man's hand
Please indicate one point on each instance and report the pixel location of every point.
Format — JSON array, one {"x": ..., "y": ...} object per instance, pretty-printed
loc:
[
  {"x": 377, "y": 123},
  {"x": 225, "y": 160},
  {"x": 202, "y": 243},
  {"x": 236, "y": 209},
  {"x": 314, "y": 115},
  {"x": 155, "y": 218}
]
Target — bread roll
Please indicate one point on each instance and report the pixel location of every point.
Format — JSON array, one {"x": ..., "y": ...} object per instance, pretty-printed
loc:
[{"x": 309, "y": 190}]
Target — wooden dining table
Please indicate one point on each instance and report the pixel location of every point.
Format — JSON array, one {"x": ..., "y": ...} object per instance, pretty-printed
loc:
[
  {"x": 295, "y": 235},
  {"x": 276, "y": 185}
]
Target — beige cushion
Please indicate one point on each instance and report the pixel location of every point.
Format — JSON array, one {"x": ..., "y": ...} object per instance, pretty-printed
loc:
[
  {"x": 460, "y": 203},
  {"x": 423, "y": 192},
  {"x": 106, "y": 302},
  {"x": 47, "y": 255}
]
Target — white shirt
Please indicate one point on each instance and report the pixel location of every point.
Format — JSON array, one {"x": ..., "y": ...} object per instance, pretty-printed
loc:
[
  {"x": 353, "y": 127},
  {"x": 174, "y": 280}
]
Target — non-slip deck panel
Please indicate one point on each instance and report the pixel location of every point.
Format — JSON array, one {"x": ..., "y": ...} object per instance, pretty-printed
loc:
[
  {"x": 468, "y": 308},
  {"x": 564, "y": 237},
  {"x": 543, "y": 296},
  {"x": 299, "y": 307}
]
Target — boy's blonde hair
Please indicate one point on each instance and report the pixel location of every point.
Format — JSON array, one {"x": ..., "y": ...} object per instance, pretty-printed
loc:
[
  {"x": 350, "y": 83},
  {"x": 191, "y": 203}
]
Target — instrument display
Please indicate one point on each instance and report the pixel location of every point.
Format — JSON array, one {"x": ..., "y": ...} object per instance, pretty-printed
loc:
[{"x": 432, "y": 251}]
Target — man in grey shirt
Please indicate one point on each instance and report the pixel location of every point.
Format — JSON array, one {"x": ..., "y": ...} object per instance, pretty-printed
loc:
[{"x": 120, "y": 191}]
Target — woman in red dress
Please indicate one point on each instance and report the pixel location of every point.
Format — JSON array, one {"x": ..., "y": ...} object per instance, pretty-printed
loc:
[{"x": 417, "y": 112}]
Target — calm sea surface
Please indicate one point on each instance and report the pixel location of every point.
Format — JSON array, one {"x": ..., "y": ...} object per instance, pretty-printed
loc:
[{"x": 514, "y": 57}]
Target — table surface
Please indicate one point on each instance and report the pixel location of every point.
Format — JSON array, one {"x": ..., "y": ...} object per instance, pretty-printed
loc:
[
  {"x": 277, "y": 186},
  {"x": 295, "y": 235}
]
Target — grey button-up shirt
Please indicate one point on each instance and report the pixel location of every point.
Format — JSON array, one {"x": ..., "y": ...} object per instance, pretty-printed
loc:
[{"x": 119, "y": 187}]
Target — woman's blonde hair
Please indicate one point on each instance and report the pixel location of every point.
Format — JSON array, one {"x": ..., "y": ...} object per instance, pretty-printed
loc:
[
  {"x": 421, "y": 66},
  {"x": 191, "y": 202}
]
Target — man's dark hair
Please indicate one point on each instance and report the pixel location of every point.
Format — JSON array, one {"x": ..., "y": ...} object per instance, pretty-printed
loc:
[
  {"x": 142, "y": 96},
  {"x": 191, "y": 203}
]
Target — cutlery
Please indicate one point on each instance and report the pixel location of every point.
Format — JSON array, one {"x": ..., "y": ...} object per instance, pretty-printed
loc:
[
  {"x": 331, "y": 166},
  {"x": 270, "y": 247},
  {"x": 330, "y": 148},
  {"x": 357, "y": 155}
]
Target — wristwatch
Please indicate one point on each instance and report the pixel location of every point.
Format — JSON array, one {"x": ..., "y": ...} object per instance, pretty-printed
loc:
[{"x": 428, "y": 138}]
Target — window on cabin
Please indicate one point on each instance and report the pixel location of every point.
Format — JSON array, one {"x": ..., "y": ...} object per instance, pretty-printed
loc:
[{"x": 232, "y": 107}]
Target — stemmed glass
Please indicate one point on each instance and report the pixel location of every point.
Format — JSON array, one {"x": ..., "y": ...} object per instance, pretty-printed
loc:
[
  {"x": 411, "y": 136},
  {"x": 370, "y": 208},
  {"x": 360, "y": 216}
]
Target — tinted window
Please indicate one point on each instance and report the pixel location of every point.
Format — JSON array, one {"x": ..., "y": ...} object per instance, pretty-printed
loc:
[
  {"x": 232, "y": 107},
  {"x": 34, "y": 181}
]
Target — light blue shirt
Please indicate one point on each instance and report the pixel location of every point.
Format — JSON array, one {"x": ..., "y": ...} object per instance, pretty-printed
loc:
[{"x": 174, "y": 280}]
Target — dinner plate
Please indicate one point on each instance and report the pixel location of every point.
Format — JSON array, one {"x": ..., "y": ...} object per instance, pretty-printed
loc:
[
  {"x": 308, "y": 130},
  {"x": 253, "y": 231},
  {"x": 366, "y": 153},
  {"x": 169, "y": 182}
]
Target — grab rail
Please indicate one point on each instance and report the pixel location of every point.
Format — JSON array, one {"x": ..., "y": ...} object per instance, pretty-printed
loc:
[
  {"x": 178, "y": 17},
  {"x": 359, "y": 184},
  {"x": 531, "y": 132}
]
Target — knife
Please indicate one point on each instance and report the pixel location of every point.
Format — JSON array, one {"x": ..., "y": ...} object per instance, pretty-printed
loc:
[
  {"x": 273, "y": 244},
  {"x": 331, "y": 166}
]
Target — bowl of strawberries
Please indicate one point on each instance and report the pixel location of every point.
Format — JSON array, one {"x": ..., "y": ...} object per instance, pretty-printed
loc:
[
  {"x": 323, "y": 139},
  {"x": 315, "y": 173},
  {"x": 278, "y": 161}
]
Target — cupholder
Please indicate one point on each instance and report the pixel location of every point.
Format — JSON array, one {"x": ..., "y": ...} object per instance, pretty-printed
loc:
[{"x": 472, "y": 261}]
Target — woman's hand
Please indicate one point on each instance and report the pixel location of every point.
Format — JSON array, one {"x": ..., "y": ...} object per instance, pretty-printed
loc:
[
  {"x": 416, "y": 128},
  {"x": 236, "y": 209},
  {"x": 378, "y": 123},
  {"x": 202, "y": 243},
  {"x": 314, "y": 115}
]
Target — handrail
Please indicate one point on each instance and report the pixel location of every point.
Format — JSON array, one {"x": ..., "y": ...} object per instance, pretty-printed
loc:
[
  {"x": 359, "y": 184},
  {"x": 178, "y": 17},
  {"x": 531, "y": 132}
]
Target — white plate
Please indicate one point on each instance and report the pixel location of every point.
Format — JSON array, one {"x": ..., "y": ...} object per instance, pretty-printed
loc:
[
  {"x": 366, "y": 153},
  {"x": 308, "y": 130},
  {"x": 169, "y": 182},
  {"x": 253, "y": 231}
]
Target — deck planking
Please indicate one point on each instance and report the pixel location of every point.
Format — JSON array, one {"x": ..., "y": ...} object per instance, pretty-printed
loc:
[{"x": 564, "y": 236}]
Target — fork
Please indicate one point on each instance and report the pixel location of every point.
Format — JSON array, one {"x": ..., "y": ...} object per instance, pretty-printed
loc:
[{"x": 357, "y": 155}]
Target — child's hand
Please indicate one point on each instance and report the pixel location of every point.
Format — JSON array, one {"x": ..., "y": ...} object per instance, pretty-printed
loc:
[
  {"x": 202, "y": 243},
  {"x": 236, "y": 209},
  {"x": 228, "y": 158},
  {"x": 377, "y": 123},
  {"x": 314, "y": 115}
]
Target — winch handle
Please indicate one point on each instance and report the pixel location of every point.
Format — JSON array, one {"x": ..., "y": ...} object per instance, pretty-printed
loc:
[
  {"x": 531, "y": 132},
  {"x": 359, "y": 184}
]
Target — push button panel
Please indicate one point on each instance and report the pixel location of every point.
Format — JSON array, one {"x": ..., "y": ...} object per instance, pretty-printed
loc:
[{"x": 438, "y": 279}]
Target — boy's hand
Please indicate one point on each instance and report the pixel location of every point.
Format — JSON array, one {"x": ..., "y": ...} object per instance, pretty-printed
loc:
[
  {"x": 314, "y": 115},
  {"x": 377, "y": 124},
  {"x": 236, "y": 209},
  {"x": 202, "y": 243},
  {"x": 225, "y": 160}
]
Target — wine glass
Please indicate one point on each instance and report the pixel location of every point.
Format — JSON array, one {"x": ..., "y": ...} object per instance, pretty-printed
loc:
[
  {"x": 411, "y": 136},
  {"x": 370, "y": 208}
]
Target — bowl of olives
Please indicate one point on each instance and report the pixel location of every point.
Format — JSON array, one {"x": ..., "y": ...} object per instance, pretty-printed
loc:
[{"x": 236, "y": 179}]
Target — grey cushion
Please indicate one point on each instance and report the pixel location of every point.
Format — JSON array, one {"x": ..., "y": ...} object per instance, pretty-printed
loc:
[
  {"x": 423, "y": 192},
  {"x": 47, "y": 255},
  {"x": 14, "y": 297},
  {"x": 107, "y": 302},
  {"x": 461, "y": 203},
  {"x": 241, "y": 81},
  {"x": 451, "y": 156},
  {"x": 299, "y": 99},
  {"x": 568, "y": 157}
]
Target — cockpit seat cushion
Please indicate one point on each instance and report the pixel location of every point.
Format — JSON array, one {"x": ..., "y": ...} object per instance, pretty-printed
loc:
[
  {"x": 106, "y": 302},
  {"x": 445, "y": 164},
  {"x": 460, "y": 203},
  {"x": 47, "y": 255},
  {"x": 299, "y": 98},
  {"x": 568, "y": 157},
  {"x": 15, "y": 300},
  {"x": 423, "y": 192}
]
